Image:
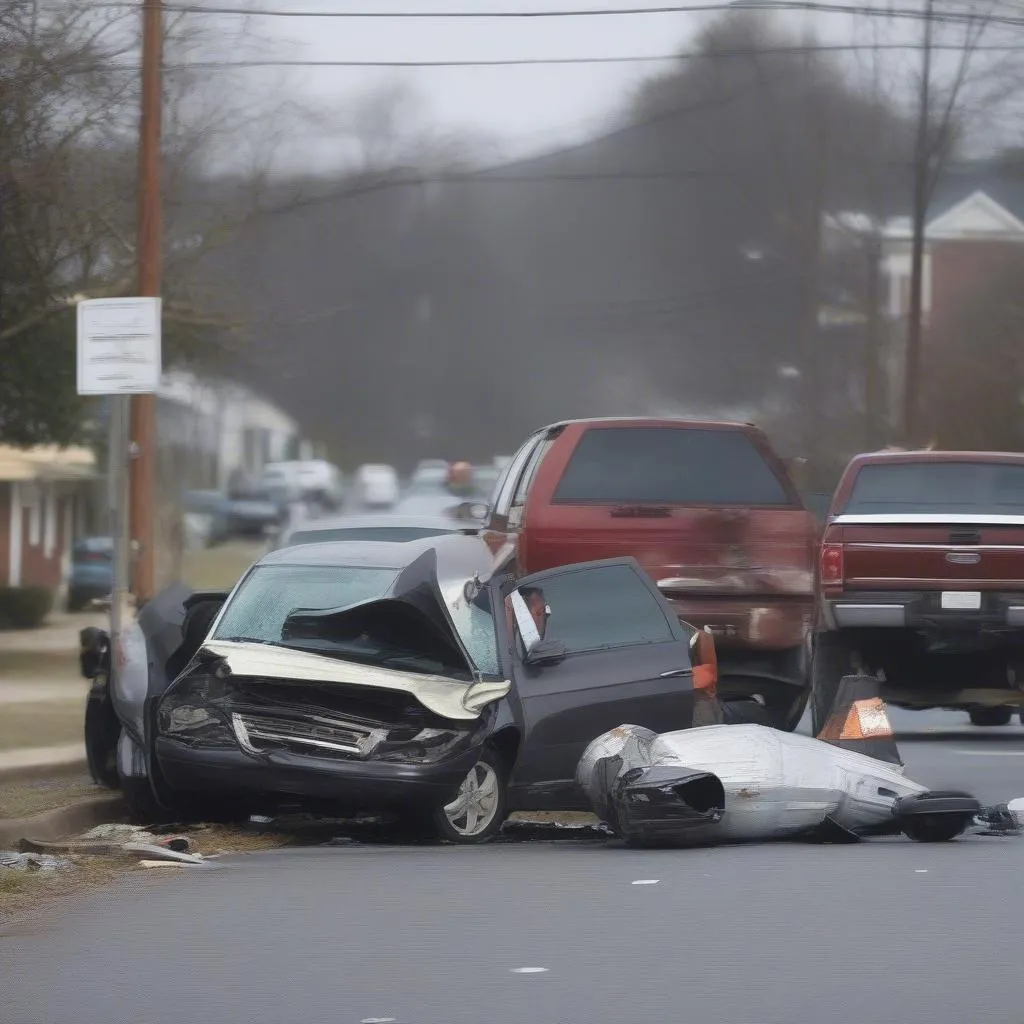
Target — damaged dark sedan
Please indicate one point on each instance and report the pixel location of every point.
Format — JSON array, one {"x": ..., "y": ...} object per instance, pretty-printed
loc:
[{"x": 421, "y": 679}]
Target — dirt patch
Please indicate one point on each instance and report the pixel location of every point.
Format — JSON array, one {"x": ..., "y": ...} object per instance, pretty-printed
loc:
[
  {"x": 42, "y": 724},
  {"x": 27, "y": 893},
  {"x": 219, "y": 568},
  {"x": 23, "y": 798}
]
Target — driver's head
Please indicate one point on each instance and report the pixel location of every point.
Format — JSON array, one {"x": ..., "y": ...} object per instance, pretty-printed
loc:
[
  {"x": 534, "y": 598},
  {"x": 460, "y": 477}
]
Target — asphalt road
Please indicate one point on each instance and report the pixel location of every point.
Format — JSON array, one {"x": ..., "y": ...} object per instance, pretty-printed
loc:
[{"x": 888, "y": 930}]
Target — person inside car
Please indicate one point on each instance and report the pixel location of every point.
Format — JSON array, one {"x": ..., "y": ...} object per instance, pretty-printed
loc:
[{"x": 534, "y": 598}]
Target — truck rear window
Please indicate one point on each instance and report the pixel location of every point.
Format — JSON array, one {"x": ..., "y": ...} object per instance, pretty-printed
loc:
[
  {"x": 956, "y": 488},
  {"x": 668, "y": 466}
]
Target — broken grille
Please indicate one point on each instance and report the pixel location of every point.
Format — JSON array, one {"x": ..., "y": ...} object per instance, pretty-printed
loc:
[{"x": 312, "y": 734}]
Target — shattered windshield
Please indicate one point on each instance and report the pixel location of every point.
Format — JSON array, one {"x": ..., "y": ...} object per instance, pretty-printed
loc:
[
  {"x": 474, "y": 622},
  {"x": 258, "y": 610}
]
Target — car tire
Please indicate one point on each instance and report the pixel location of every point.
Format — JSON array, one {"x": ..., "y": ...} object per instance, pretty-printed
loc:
[
  {"x": 986, "y": 717},
  {"x": 831, "y": 660},
  {"x": 486, "y": 783},
  {"x": 143, "y": 807},
  {"x": 102, "y": 731},
  {"x": 786, "y": 717}
]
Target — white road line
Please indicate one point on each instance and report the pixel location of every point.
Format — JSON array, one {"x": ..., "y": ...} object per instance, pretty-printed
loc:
[
  {"x": 987, "y": 753},
  {"x": 528, "y": 970},
  {"x": 646, "y": 881}
]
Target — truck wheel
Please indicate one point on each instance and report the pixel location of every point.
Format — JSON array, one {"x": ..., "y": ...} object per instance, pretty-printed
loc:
[
  {"x": 831, "y": 660},
  {"x": 992, "y": 716}
]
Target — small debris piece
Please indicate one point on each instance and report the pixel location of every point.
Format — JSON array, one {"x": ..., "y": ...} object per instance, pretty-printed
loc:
[
  {"x": 41, "y": 862},
  {"x": 152, "y": 852},
  {"x": 160, "y": 864},
  {"x": 120, "y": 834}
]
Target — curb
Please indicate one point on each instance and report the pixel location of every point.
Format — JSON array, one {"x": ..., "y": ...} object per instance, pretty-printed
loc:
[
  {"x": 63, "y": 821},
  {"x": 51, "y": 770}
]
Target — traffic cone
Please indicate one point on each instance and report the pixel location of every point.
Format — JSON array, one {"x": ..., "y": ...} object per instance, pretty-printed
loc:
[{"x": 860, "y": 721}]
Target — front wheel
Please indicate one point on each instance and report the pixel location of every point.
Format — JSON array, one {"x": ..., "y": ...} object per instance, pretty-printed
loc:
[
  {"x": 478, "y": 810},
  {"x": 991, "y": 716}
]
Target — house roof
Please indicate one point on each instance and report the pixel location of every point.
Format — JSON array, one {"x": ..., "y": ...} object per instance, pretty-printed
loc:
[
  {"x": 1003, "y": 184},
  {"x": 45, "y": 463}
]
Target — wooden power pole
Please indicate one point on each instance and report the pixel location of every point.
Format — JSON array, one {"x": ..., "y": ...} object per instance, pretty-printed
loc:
[
  {"x": 142, "y": 480},
  {"x": 922, "y": 187}
]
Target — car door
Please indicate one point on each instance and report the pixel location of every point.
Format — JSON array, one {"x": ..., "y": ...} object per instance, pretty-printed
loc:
[{"x": 622, "y": 657}]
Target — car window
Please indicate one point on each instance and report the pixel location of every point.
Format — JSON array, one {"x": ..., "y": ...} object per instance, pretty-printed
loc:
[
  {"x": 392, "y": 534},
  {"x": 668, "y": 466},
  {"x": 474, "y": 622},
  {"x": 530, "y": 473},
  {"x": 503, "y": 490},
  {"x": 938, "y": 487},
  {"x": 270, "y": 593},
  {"x": 597, "y": 608}
]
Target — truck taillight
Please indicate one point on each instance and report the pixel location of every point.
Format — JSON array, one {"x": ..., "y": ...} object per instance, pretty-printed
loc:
[{"x": 831, "y": 563}]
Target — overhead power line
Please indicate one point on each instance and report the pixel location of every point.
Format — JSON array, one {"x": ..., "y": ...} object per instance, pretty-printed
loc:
[
  {"x": 819, "y": 6},
  {"x": 610, "y": 59}
]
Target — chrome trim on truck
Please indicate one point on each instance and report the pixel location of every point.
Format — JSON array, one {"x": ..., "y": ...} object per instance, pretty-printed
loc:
[
  {"x": 926, "y": 519},
  {"x": 850, "y": 615}
]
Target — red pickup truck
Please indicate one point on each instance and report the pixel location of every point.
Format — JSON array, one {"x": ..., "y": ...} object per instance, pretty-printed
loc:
[
  {"x": 922, "y": 582},
  {"x": 709, "y": 511}
]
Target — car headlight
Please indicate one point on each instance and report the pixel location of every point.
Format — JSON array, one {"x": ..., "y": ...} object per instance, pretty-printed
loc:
[
  {"x": 184, "y": 714},
  {"x": 426, "y": 746}
]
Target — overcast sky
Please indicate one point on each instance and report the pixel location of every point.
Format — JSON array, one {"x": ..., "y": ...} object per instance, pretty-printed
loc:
[{"x": 527, "y": 109}]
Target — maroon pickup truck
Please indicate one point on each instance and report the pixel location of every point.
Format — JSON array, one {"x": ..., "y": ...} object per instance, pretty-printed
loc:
[
  {"x": 921, "y": 582},
  {"x": 709, "y": 511}
]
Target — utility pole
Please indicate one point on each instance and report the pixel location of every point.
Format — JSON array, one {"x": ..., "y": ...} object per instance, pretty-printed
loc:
[
  {"x": 142, "y": 483},
  {"x": 872, "y": 342},
  {"x": 922, "y": 187}
]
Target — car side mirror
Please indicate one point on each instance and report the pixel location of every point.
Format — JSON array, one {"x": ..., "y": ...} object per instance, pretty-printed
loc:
[
  {"x": 704, "y": 658},
  {"x": 545, "y": 651}
]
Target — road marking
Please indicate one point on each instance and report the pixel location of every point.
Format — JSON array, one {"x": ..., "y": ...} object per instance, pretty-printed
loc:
[
  {"x": 987, "y": 753},
  {"x": 920, "y": 871},
  {"x": 646, "y": 881},
  {"x": 378, "y": 1020},
  {"x": 528, "y": 970}
]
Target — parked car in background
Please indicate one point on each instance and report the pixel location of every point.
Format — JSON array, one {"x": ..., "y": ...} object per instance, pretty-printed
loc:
[
  {"x": 314, "y": 481},
  {"x": 251, "y": 514},
  {"x": 207, "y": 518},
  {"x": 407, "y": 678},
  {"x": 921, "y": 581},
  {"x": 708, "y": 510},
  {"x": 395, "y": 529},
  {"x": 428, "y": 474},
  {"x": 92, "y": 571},
  {"x": 375, "y": 487}
]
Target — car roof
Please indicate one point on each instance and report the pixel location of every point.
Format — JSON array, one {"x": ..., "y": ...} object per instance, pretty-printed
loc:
[
  {"x": 458, "y": 556},
  {"x": 353, "y": 522},
  {"x": 931, "y": 455},
  {"x": 654, "y": 421}
]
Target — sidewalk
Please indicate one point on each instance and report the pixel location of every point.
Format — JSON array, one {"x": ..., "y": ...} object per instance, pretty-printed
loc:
[
  {"x": 42, "y": 696},
  {"x": 58, "y": 634}
]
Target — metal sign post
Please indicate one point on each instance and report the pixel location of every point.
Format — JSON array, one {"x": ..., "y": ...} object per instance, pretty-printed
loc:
[{"x": 119, "y": 356}]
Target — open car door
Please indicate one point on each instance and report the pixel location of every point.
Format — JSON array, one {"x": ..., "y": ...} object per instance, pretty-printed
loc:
[{"x": 594, "y": 645}]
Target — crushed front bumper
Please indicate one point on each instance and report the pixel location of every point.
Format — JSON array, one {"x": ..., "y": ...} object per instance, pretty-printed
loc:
[{"x": 281, "y": 776}]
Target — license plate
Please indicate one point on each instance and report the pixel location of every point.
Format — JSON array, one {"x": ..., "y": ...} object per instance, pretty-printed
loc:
[{"x": 961, "y": 600}]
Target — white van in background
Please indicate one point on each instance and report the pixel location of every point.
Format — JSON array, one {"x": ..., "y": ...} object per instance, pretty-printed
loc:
[
  {"x": 313, "y": 480},
  {"x": 376, "y": 487}
]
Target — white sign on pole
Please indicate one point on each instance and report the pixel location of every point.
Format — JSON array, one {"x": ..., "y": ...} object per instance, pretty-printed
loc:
[{"x": 119, "y": 350}]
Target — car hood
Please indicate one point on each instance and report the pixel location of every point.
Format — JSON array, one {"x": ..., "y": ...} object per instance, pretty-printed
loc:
[{"x": 416, "y": 593}]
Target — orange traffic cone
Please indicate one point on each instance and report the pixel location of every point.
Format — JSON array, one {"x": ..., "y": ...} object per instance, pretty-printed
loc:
[{"x": 860, "y": 721}]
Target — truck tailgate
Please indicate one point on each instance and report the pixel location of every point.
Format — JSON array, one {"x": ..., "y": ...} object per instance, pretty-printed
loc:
[{"x": 904, "y": 552}]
